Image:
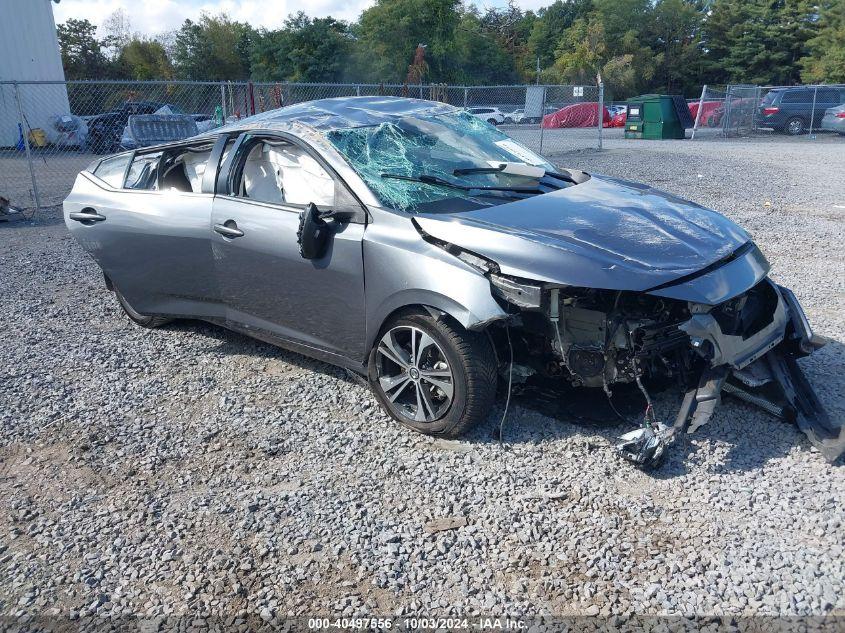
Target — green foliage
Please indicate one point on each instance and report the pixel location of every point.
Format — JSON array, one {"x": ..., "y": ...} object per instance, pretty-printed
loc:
[
  {"x": 634, "y": 46},
  {"x": 214, "y": 48},
  {"x": 82, "y": 53},
  {"x": 306, "y": 49},
  {"x": 825, "y": 61},
  {"x": 144, "y": 60},
  {"x": 551, "y": 23},
  {"x": 388, "y": 34},
  {"x": 676, "y": 39},
  {"x": 757, "y": 41}
]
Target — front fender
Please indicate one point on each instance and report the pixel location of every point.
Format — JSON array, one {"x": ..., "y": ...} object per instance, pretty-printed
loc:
[{"x": 402, "y": 270}]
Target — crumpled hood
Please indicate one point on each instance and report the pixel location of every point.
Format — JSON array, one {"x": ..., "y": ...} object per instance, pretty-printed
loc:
[{"x": 604, "y": 233}]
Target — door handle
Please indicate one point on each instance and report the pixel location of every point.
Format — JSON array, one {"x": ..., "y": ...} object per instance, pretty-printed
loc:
[
  {"x": 86, "y": 216},
  {"x": 228, "y": 231}
]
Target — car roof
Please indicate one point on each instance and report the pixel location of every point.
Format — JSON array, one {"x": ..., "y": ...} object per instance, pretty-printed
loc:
[{"x": 345, "y": 112}]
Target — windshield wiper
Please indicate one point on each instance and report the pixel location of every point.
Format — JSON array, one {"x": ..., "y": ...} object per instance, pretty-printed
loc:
[
  {"x": 547, "y": 177},
  {"x": 437, "y": 181},
  {"x": 468, "y": 171}
]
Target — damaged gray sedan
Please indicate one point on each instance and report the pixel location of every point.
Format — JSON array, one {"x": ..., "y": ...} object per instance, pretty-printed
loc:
[{"x": 420, "y": 247}]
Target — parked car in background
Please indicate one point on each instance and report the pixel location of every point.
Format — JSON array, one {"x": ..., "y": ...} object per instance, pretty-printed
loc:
[
  {"x": 480, "y": 257},
  {"x": 791, "y": 110},
  {"x": 617, "y": 109},
  {"x": 516, "y": 116},
  {"x": 494, "y": 116},
  {"x": 834, "y": 120},
  {"x": 105, "y": 130}
]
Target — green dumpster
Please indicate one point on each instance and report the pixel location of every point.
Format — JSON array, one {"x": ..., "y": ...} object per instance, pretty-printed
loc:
[{"x": 657, "y": 117}]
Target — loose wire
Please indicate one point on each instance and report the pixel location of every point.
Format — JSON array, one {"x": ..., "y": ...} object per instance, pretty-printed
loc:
[{"x": 510, "y": 384}]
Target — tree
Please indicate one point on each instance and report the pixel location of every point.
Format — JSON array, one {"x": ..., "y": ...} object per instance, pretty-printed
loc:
[
  {"x": 306, "y": 49},
  {"x": 388, "y": 34},
  {"x": 825, "y": 61},
  {"x": 676, "y": 40},
  {"x": 587, "y": 53},
  {"x": 118, "y": 32},
  {"x": 478, "y": 54},
  {"x": 551, "y": 23},
  {"x": 82, "y": 53},
  {"x": 144, "y": 60},
  {"x": 215, "y": 48},
  {"x": 757, "y": 41}
]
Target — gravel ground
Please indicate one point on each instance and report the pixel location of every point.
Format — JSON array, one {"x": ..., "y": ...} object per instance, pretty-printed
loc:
[{"x": 192, "y": 470}]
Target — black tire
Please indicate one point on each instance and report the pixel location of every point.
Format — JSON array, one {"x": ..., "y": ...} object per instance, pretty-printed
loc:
[
  {"x": 795, "y": 126},
  {"x": 138, "y": 318},
  {"x": 472, "y": 363},
  {"x": 492, "y": 122}
]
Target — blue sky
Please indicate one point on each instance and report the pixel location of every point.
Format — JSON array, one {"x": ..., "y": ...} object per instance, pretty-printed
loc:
[{"x": 155, "y": 16}]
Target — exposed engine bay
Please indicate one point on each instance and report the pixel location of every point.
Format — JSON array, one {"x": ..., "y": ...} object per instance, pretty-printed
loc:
[{"x": 746, "y": 346}]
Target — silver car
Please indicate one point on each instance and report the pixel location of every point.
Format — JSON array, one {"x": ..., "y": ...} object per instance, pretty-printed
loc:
[
  {"x": 420, "y": 247},
  {"x": 834, "y": 119}
]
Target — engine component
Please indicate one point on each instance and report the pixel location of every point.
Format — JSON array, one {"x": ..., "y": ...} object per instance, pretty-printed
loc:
[
  {"x": 643, "y": 447},
  {"x": 585, "y": 361}
]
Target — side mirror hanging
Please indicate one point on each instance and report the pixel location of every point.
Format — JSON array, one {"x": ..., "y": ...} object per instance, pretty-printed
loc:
[{"x": 313, "y": 233}]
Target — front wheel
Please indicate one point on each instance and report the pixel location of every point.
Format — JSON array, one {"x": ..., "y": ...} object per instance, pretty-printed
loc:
[{"x": 432, "y": 375}]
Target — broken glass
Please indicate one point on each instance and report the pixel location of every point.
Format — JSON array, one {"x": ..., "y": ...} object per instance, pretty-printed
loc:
[{"x": 432, "y": 146}]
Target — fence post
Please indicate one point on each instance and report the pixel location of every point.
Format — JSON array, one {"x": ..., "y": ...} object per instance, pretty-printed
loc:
[
  {"x": 223, "y": 99},
  {"x": 466, "y": 94},
  {"x": 601, "y": 111},
  {"x": 542, "y": 114},
  {"x": 698, "y": 113},
  {"x": 813, "y": 111},
  {"x": 357, "y": 90},
  {"x": 25, "y": 132}
]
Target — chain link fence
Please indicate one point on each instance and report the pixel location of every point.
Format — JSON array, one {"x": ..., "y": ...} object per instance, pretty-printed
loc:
[
  {"x": 50, "y": 131},
  {"x": 744, "y": 110}
]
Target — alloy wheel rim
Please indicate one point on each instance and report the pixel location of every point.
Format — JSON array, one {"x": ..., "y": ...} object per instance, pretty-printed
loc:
[
  {"x": 796, "y": 126},
  {"x": 414, "y": 374}
]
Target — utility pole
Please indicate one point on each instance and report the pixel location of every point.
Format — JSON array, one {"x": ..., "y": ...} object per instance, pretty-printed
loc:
[{"x": 538, "y": 70}]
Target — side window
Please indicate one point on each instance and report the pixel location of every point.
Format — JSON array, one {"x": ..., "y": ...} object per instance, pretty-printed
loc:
[
  {"x": 278, "y": 172},
  {"x": 111, "y": 170},
  {"x": 798, "y": 96},
  {"x": 183, "y": 168},
  {"x": 143, "y": 173},
  {"x": 827, "y": 95}
]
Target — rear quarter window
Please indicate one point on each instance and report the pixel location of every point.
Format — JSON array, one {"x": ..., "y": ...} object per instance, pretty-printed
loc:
[
  {"x": 112, "y": 170},
  {"x": 828, "y": 95}
]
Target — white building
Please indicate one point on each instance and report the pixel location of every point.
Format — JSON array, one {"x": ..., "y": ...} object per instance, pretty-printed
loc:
[{"x": 29, "y": 51}]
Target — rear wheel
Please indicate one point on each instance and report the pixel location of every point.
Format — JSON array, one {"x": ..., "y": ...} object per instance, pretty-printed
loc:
[
  {"x": 492, "y": 122},
  {"x": 795, "y": 126},
  {"x": 432, "y": 375},
  {"x": 141, "y": 319}
]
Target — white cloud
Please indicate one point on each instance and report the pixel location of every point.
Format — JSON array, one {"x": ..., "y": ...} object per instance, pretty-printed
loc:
[{"x": 157, "y": 16}]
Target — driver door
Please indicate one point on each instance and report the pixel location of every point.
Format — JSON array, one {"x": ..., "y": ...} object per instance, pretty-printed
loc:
[{"x": 269, "y": 289}]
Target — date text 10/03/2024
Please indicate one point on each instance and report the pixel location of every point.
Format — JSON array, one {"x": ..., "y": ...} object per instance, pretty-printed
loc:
[{"x": 417, "y": 624}]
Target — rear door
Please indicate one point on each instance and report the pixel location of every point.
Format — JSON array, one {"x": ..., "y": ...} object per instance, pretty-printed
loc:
[
  {"x": 269, "y": 288},
  {"x": 145, "y": 219}
]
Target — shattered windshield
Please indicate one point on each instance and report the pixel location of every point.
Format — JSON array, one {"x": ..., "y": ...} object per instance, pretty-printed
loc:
[{"x": 413, "y": 162}]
